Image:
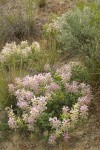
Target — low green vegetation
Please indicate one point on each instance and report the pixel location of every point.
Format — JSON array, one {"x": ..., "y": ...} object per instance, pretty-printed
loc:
[{"x": 37, "y": 97}]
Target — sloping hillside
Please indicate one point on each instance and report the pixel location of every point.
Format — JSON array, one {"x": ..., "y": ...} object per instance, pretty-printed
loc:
[{"x": 87, "y": 135}]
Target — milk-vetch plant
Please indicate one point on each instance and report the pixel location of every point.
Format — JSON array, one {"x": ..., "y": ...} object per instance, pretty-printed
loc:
[
  {"x": 21, "y": 56},
  {"x": 49, "y": 104}
]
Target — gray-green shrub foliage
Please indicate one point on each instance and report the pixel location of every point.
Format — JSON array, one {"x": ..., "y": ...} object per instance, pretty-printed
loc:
[
  {"x": 80, "y": 34},
  {"x": 79, "y": 29}
]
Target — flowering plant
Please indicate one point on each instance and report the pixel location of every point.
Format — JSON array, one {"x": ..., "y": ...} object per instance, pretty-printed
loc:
[
  {"x": 22, "y": 56},
  {"x": 53, "y": 27},
  {"x": 49, "y": 104}
]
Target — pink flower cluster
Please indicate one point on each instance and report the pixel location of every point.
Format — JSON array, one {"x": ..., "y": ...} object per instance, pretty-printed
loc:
[
  {"x": 32, "y": 94},
  {"x": 12, "y": 119},
  {"x": 37, "y": 108},
  {"x": 61, "y": 128},
  {"x": 73, "y": 87},
  {"x": 70, "y": 119},
  {"x": 66, "y": 71},
  {"x": 73, "y": 115},
  {"x": 55, "y": 122},
  {"x": 65, "y": 109},
  {"x": 52, "y": 139}
]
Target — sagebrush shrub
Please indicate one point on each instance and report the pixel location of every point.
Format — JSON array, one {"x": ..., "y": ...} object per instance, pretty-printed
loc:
[{"x": 78, "y": 31}]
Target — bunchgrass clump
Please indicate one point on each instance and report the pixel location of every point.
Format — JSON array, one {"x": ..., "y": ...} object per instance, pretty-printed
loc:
[{"x": 17, "y": 20}]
